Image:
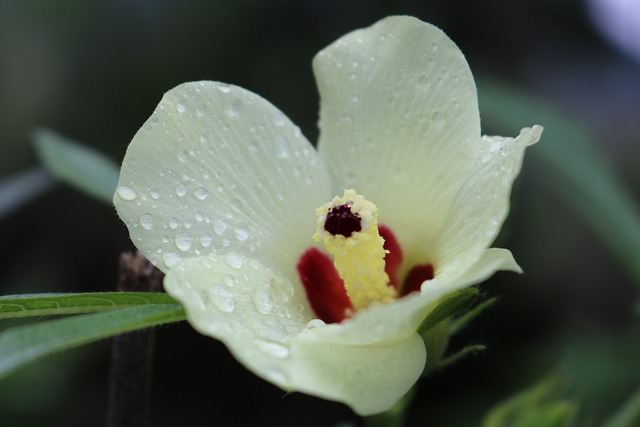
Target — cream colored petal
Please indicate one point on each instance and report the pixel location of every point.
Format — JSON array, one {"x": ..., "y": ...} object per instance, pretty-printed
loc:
[
  {"x": 399, "y": 121},
  {"x": 369, "y": 378},
  {"x": 217, "y": 168},
  {"x": 491, "y": 260},
  {"x": 482, "y": 203},
  {"x": 253, "y": 310},
  {"x": 269, "y": 328}
]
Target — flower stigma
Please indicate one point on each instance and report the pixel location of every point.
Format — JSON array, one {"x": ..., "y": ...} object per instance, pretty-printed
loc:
[{"x": 348, "y": 228}]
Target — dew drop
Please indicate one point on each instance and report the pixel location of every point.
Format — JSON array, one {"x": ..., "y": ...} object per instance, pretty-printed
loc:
[
  {"x": 222, "y": 298},
  {"x": 155, "y": 193},
  {"x": 183, "y": 242},
  {"x": 171, "y": 259},
  {"x": 224, "y": 88},
  {"x": 229, "y": 280},
  {"x": 146, "y": 220},
  {"x": 233, "y": 260},
  {"x": 241, "y": 234},
  {"x": 206, "y": 239},
  {"x": 273, "y": 349},
  {"x": 283, "y": 149},
  {"x": 219, "y": 226},
  {"x": 180, "y": 106},
  {"x": 181, "y": 190},
  {"x": 174, "y": 223},
  {"x": 262, "y": 301},
  {"x": 282, "y": 288},
  {"x": 126, "y": 193},
  {"x": 278, "y": 119},
  {"x": 201, "y": 193},
  {"x": 315, "y": 323}
]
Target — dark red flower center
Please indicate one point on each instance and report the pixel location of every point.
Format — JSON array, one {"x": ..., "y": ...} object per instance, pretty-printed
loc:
[
  {"x": 341, "y": 221},
  {"x": 324, "y": 287}
]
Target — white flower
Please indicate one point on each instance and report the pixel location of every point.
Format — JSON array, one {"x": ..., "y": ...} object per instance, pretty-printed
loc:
[{"x": 219, "y": 189}]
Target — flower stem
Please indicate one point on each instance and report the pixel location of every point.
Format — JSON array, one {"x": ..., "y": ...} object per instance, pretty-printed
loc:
[{"x": 132, "y": 354}]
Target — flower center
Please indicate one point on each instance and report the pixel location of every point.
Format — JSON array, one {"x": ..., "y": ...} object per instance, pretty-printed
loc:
[{"x": 348, "y": 227}]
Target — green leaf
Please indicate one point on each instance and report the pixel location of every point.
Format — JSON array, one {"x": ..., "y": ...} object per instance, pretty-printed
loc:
[
  {"x": 21, "y": 345},
  {"x": 468, "y": 350},
  {"x": 449, "y": 306},
  {"x": 14, "y": 306},
  {"x": 628, "y": 415},
  {"x": 20, "y": 188},
  {"x": 539, "y": 406},
  {"x": 460, "y": 323},
  {"x": 579, "y": 170},
  {"x": 77, "y": 165}
]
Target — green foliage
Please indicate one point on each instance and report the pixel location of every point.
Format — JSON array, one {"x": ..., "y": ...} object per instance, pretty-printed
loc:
[
  {"x": 451, "y": 305},
  {"x": 628, "y": 415},
  {"x": 29, "y": 305},
  {"x": 579, "y": 171},
  {"x": 23, "y": 344},
  {"x": 77, "y": 165},
  {"x": 540, "y": 406}
]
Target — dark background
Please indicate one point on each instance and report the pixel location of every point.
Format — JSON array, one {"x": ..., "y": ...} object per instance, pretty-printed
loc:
[{"x": 95, "y": 72}]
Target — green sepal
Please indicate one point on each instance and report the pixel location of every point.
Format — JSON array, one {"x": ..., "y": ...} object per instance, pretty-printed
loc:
[
  {"x": 451, "y": 305},
  {"x": 467, "y": 351}
]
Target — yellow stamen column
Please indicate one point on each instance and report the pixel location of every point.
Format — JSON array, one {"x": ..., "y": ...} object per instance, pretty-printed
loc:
[{"x": 359, "y": 256}]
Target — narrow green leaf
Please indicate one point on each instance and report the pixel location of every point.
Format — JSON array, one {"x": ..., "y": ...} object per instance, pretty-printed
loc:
[
  {"x": 628, "y": 415},
  {"x": 14, "y": 306},
  {"x": 449, "y": 306},
  {"x": 541, "y": 406},
  {"x": 16, "y": 190},
  {"x": 468, "y": 350},
  {"x": 579, "y": 170},
  {"x": 21, "y": 345},
  {"x": 461, "y": 322},
  {"x": 75, "y": 164}
]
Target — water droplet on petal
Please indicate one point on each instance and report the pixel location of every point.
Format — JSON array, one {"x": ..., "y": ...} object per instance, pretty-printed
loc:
[
  {"x": 181, "y": 106},
  {"x": 315, "y": 323},
  {"x": 174, "y": 223},
  {"x": 171, "y": 259},
  {"x": 146, "y": 220},
  {"x": 241, "y": 234},
  {"x": 229, "y": 280},
  {"x": 183, "y": 242},
  {"x": 219, "y": 226},
  {"x": 224, "y": 88},
  {"x": 181, "y": 190},
  {"x": 262, "y": 301},
  {"x": 206, "y": 239},
  {"x": 233, "y": 260},
  {"x": 201, "y": 193},
  {"x": 222, "y": 298},
  {"x": 126, "y": 193},
  {"x": 283, "y": 147},
  {"x": 273, "y": 349},
  {"x": 155, "y": 193}
]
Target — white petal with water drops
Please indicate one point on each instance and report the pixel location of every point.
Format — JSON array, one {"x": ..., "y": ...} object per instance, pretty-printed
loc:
[
  {"x": 227, "y": 165},
  {"x": 416, "y": 130}
]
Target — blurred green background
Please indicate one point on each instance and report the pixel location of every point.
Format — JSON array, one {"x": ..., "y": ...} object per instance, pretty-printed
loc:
[{"x": 94, "y": 71}]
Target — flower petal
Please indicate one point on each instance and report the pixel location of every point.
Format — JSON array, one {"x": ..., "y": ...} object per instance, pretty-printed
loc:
[
  {"x": 482, "y": 203},
  {"x": 270, "y": 329},
  {"x": 368, "y": 378},
  {"x": 246, "y": 305},
  {"x": 399, "y": 121},
  {"x": 217, "y": 168},
  {"x": 491, "y": 260}
]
